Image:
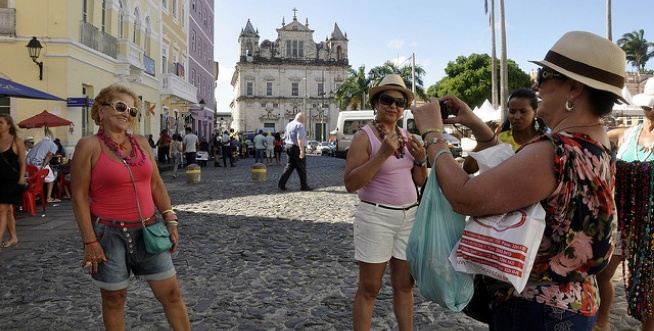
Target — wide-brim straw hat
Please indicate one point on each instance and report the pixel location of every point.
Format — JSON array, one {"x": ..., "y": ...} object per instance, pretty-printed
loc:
[
  {"x": 643, "y": 100},
  {"x": 589, "y": 59},
  {"x": 392, "y": 82}
]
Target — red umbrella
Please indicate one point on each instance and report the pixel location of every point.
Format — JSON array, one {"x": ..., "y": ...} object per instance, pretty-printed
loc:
[{"x": 44, "y": 119}]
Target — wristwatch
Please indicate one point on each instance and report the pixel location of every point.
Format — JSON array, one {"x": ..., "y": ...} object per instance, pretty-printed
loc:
[{"x": 421, "y": 162}]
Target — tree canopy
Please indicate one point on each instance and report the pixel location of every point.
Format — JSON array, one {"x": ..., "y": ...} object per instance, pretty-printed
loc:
[
  {"x": 636, "y": 47},
  {"x": 469, "y": 78}
]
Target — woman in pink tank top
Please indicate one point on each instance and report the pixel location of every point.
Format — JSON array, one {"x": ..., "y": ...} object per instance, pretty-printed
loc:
[
  {"x": 116, "y": 188},
  {"x": 384, "y": 164}
]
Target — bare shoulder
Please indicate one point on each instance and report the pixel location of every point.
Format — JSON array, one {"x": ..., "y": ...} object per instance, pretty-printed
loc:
[{"x": 615, "y": 135}]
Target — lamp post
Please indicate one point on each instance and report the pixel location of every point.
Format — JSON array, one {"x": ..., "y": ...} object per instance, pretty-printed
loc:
[{"x": 34, "y": 50}]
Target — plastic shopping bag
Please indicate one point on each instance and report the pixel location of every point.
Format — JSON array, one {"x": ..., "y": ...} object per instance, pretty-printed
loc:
[
  {"x": 501, "y": 246},
  {"x": 436, "y": 230}
]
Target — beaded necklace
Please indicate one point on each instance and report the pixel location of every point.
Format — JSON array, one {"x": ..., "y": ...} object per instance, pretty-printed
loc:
[
  {"x": 116, "y": 149},
  {"x": 643, "y": 148},
  {"x": 399, "y": 153},
  {"x": 634, "y": 198}
]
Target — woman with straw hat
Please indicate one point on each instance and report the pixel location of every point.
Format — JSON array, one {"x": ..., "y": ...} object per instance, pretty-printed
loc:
[
  {"x": 570, "y": 171},
  {"x": 384, "y": 165}
]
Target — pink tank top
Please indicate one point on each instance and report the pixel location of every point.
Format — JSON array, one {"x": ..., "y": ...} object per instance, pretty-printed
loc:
[
  {"x": 393, "y": 183},
  {"x": 112, "y": 193}
]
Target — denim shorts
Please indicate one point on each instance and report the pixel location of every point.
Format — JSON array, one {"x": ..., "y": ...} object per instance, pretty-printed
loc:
[
  {"x": 381, "y": 233},
  {"x": 520, "y": 314},
  {"x": 125, "y": 252}
]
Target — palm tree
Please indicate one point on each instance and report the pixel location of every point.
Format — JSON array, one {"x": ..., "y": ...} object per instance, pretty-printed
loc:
[
  {"x": 637, "y": 48},
  {"x": 353, "y": 93},
  {"x": 377, "y": 73}
]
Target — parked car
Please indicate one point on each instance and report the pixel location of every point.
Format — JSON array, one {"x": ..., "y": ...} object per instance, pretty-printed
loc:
[
  {"x": 312, "y": 146},
  {"x": 326, "y": 148}
]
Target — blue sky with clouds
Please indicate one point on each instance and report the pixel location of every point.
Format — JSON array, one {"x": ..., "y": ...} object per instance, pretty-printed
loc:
[{"x": 437, "y": 31}]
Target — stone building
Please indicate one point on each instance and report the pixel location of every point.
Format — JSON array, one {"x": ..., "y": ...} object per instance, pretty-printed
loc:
[{"x": 274, "y": 80}]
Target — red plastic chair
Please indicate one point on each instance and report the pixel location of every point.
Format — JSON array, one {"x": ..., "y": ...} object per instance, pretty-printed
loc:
[
  {"x": 34, "y": 188},
  {"x": 63, "y": 171},
  {"x": 31, "y": 169}
]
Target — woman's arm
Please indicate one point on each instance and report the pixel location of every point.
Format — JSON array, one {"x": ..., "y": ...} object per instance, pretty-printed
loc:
[
  {"x": 20, "y": 151},
  {"x": 359, "y": 166}
]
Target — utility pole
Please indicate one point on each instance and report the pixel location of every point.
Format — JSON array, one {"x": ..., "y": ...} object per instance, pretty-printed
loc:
[{"x": 504, "y": 72}]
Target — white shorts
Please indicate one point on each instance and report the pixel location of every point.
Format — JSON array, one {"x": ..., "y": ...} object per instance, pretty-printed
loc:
[
  {"x": 270, "y": 152},
  {"x": 381, "y": 233}
]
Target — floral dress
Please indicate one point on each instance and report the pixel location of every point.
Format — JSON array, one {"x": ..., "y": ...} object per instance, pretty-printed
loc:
[{"x": 580, "y": 222}]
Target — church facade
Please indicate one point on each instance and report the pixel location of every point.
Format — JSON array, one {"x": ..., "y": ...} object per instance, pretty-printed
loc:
[{"x": 274, "y": 80}]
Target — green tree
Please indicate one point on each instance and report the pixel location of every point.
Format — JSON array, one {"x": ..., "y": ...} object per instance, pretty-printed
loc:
[
  {"x": 637, "y": 48},
  {"x": 469, "y": 78},
  {"x": 353, "y": 93}
]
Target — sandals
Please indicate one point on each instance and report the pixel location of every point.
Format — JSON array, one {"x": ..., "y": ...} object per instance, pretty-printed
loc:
[{"x": 7, "y": 244}]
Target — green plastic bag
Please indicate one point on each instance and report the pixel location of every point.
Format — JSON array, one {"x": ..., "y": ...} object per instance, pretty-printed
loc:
[{"x": 436, "y": 230}]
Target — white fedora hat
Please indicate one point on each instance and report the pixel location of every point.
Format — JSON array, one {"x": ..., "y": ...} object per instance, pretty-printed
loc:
[{"x": 589, "y": 59}]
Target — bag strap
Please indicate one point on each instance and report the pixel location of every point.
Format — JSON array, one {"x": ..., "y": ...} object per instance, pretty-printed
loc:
[
  {"x": 7, "y": 161},
  {"x": 131, "y": 176}
]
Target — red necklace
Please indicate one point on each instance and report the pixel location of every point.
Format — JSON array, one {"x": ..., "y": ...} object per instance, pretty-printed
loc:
[
  {"x": 116, "y": 148},
  {"x": 399, "y": 153}
]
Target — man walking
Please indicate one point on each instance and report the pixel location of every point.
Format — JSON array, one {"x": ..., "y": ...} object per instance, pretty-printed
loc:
[
  {"x": 270, "y": 145},
  {"x": 295, "y": 139},
  {"x": 190, "y": 146},
  {"x": 259, "y": 147},
  {"x": 227, "y": 149}
]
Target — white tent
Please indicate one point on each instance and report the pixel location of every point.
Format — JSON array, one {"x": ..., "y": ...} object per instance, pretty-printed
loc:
[{"x": 488, "y": 113}]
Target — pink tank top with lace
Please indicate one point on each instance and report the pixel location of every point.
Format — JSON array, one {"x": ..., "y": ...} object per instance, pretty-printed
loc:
[{"x": 112, "y": 193}]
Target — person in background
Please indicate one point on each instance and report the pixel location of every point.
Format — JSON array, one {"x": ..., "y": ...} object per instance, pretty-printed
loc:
[
  {"x": 295, "y": 139},
  {"x": 153, "y": 145},
  {"x": 163, "y": 146},
  {"x": 40, "y": 156},
  {"x": 575, "y": 180},
  {"x": 226, "y": 145},
  {"x": 29, "y": 143},
  {"x": 259, "y": 147},
  {"x": 279, "y": 147},
  {"x": 108, "y": 212},
  {"x": 61, "y": 150},
  {"x": 12, "y": 174},
  {"x": 269, "y": 142},
  {"x": 176, "y": 152},
  {"x": 635, "y": 148},
  {"x": 384, "y": 165},
  {"x": 190, "y": 145},
  {"x": 523, "y": 124}
]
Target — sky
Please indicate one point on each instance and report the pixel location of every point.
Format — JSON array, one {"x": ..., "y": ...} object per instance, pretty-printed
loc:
[{"x": 436, "y": 31}]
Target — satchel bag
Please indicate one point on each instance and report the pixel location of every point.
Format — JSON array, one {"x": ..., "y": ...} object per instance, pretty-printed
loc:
[
  {"x": 436, "y": 230},
  {"x": 156, "y": 235}
]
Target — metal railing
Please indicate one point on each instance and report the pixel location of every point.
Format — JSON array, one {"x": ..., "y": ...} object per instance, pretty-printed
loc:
[{"x": 8, "y": 21}]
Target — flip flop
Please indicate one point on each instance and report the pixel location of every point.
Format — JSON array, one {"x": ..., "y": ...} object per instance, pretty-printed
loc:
[
  {"x": 53, "y": 200},
  {"x": 7, "y": 244}
]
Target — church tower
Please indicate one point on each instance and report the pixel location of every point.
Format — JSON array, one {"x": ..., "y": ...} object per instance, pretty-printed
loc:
[{"x": 276, "y": 79}]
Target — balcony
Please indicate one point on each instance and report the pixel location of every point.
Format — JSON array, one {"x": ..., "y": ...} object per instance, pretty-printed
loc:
[
  {"x": 93, "y": 38},
  {"x": 174, "y": 85},
  {"x": 8, "y": 21},
  {"x": 130, "y": 53}
]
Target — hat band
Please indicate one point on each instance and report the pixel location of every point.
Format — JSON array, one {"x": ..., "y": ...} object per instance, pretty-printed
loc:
[{"x": 588, "y": 71}]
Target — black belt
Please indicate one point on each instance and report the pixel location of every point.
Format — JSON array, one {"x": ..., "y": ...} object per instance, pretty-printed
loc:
[{"x": 389, "y": 207}]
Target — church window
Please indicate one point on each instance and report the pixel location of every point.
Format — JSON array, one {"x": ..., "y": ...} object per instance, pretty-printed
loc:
[
  {"x": 269, "y": 87},
  {"x": 295, "y": 89},
  {"x": 249, "y": 87}
]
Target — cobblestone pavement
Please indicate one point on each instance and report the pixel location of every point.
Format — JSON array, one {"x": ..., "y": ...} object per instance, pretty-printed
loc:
[{"x": 251, "y": 258}]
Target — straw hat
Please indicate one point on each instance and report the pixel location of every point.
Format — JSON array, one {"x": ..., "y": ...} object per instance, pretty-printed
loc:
[
  {"x": 645, "y": 99},
  {"x": 392, "y": 82},
  {"x": 589, "y": 59},
  {"x": 29, "y": 139}
]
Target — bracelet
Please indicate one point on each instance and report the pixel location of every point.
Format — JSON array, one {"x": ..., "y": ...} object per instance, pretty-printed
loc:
[
  {"x": 439, "y": 154},
  {"x": 166, "y": 212},
  {"x": 22, "y": 183},
  {"x": 489, "y": 140},
  {"x": 86, "y": 243},
  {"x": 173, "y": 223},
  {"x": 424, "y": 132},
  {"x": 434, "y": 141},
  {"x": 421, "y": 162},
  {"x": 170, "y": 217}
]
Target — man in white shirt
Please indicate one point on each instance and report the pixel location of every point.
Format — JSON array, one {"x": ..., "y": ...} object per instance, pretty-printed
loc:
[
  {"x": 227, "y": 149},
  {"x": 269, "y": 141},
  {"x": 40, "y": 156},
  {"x": 190, "y": 146}
]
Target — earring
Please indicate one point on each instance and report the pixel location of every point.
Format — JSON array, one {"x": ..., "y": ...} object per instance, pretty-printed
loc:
[
  {"x": 536, "y": 125},
  {"x": 570, "y": 107}
]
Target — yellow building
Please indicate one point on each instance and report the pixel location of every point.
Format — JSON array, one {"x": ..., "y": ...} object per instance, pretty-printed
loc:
[{"x": 87, "y": 45}]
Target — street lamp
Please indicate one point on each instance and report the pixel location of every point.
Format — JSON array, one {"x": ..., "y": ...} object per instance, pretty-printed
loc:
[{"x": 34, "y": 50}]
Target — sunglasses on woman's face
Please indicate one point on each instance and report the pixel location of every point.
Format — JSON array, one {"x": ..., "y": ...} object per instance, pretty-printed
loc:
[
  {"x": 388, "y": 100},
  {"x": 543, "y": 75},
  {"x": 122, "y": 107}
]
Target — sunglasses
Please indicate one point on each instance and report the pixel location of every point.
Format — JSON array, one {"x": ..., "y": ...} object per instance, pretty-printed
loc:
[
  {"x": 387, "y": 100},
  {"x": 122, "y": 107},
  {"x": 544, "y": 75}
]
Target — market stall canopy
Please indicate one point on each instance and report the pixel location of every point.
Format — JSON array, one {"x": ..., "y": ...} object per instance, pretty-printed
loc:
[
  {"x": 16, "y": 90},
  {"x": 44, "y": 119},
  {"x": 488, "y": 113}
]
